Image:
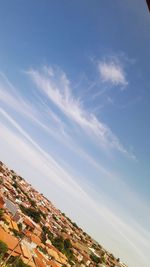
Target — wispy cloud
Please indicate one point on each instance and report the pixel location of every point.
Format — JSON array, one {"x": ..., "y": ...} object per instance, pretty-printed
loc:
[
  {"x": 112, "y": 72},
  {"x": 54, "y": 126},
  {"x": 56, "y": 86},
  {"x": 12, "y": 98},
  {"x": 58, "y": 174}
]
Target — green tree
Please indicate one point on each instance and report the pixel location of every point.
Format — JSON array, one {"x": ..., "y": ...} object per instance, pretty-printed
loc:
[
  {"x": 31, "y": 212},
  {"x": 95, "y": 258},
  {"x": 19, "y": 263},
  {"x": 67, "y": 244},
  {"x": 20, "y": 226},
  {"x": 3, "y": 248},
  {"x": 46, "y": 233},
  {"x": 64, "y": 246},
  {"x": 17, "y": 233},
  {"x": 75, "y": 225},
  {"x": 58, "y": 242},
  {"x": 1, "y": 213}
]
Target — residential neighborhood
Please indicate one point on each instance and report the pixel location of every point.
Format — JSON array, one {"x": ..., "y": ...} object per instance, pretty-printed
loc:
[{"x": 33, "y": 232}]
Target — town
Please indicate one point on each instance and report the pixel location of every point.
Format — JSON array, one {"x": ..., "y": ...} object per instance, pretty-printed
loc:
[{"x": 35, "y": 233}]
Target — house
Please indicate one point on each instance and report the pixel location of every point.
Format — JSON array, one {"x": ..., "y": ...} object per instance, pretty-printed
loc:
[
  {"x": 37, "y": 230},
  {"x": 28, "y": 224},
  {"x": 10, "y": 206},
  {"x": 42, "y": 261},
  {"x": 27, "y": 256},
  {"x": 32, "y": 239},
  {"x": 14, "y": 225},
  {"x": 56, "y": 254},
  {"x": 12, "y": 243}
]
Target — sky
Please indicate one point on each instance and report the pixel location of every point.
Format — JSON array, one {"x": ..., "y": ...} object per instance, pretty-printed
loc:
[{"x": 74, "y": 113}]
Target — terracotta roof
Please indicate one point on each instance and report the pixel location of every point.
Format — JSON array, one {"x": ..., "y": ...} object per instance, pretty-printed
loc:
[
  {"x": 39, "y": 262},
  {"x": 28, "y": 223},
  {"x": 39, "y": 254},
  {"x": 41, "y": 258},
  {"x": 30, "y": 263},
  {"x": 25, "y": 251},
  {"x": 10, "y": 240},
  {"x": 57, "y": 251},
  {"x": 35, "y": 239},
  {"x": 52, "y": 264},
  {"x": 14, "y": 225},
  {"x": 57, "y": 256}
]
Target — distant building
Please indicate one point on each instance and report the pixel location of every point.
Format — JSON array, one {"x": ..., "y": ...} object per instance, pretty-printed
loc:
[{"x": 12, "y": 208}]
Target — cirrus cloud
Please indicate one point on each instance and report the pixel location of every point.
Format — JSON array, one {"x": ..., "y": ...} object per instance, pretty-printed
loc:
[
  {"x": 57, "y": 88},
  {"x": 112, "y": 72}
]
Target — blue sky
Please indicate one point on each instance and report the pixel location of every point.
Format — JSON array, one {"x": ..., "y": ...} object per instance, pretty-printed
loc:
[{"x": 74, "y": 112}]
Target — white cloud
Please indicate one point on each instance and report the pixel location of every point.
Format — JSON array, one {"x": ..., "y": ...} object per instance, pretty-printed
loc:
[
  {"x": 58, "y": 89},
  {"x": 55, "y": 127},
  {"x": 112, "y": 72}
]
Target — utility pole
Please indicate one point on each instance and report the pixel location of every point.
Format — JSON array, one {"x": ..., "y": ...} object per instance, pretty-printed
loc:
[
  {"x": 19, "y": 242},
  {"x": 7, "y": 259}
]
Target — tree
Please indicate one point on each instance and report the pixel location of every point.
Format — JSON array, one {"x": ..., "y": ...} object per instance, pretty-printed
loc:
[
  {"x": 31, "y": 212},
  {"x": 3, "y": 248},
  {"x": 17, "y": 233},
  {"x": 64, "y": 246},
  {"x": 46, "y": 233},
  {"x": 58, "y": 242},
  {"x": 19, "y": 263},
  {"x": 75, "y": 225},
  {"x": 67, "y": 244},
  {"x": 1, "y": 213},
  {"x": 95, "y": 258},
  {"x": 20, "y": 226}
]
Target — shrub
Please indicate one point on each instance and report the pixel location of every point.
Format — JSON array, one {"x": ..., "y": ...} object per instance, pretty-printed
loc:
[{"x": 3, "y": 248}]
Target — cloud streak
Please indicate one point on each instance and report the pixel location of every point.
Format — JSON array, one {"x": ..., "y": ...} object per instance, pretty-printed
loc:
[{"x": 57, "y": 88}]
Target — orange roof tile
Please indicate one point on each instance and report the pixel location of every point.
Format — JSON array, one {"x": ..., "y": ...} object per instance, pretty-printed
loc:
[
  {"x": 35, "y": 239},
  {"x": 39, "y": 262},
  {"x": 14, "y": 225},
  {"x": 39, "y": 254},
  {"x": 28, "y": 222},
  {"x": 26, "y": 251},
  {"x": 10, "y": 240},
  {"x": 52, "y": 264},
  {"x": 29, "y": 262}
]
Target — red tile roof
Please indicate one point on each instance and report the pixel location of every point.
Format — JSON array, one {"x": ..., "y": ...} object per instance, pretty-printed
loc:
[
  {"x": 35, "y": 239},
  {"x": 10, "y": 240},
  {"x": 39, "y": 262},
  {"x": 52, "y": 264},
  {"x": 28, "y": 223}
]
